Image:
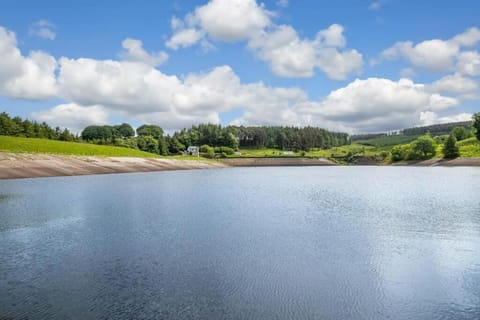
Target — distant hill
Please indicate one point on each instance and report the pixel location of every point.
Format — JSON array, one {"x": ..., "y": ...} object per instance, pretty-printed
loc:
[{"x": 435, "y": 130}]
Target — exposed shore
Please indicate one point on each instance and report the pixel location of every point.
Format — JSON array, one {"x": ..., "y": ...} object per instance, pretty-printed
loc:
[
  {"x": 437, "y": 162},
  {"x": 22, "y": 165},
  {"x": 276, "y": 162}
]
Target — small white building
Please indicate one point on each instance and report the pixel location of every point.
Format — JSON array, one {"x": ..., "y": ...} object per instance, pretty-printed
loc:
[{"x": 193, "y": 151}]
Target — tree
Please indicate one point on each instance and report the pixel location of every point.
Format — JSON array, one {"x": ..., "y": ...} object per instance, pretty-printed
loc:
[
  {"x": 460, "y": 133},
  {"x": 150, "y": 130},
  {"x": 476, "y": 124},
  {"x": 162, "y": 146},
  {"x": 450, "y": 149},
  {"x": 148, "y": 144},
  {"x": 424, "y": 147},
  {"x": 125, "y": 130}
]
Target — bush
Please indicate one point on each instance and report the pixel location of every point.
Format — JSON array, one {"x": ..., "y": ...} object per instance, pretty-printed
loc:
[
  {"x": 204, "y": 148},
  {"x": 401, "y": 152},
  {"x": 450, "y": 149},
  {"x": 423, "y": 148},
  {"x": 226, "y": 150}
]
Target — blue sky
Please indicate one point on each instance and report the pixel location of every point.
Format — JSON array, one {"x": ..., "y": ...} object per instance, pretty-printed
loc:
[{"x": 357, "y": 66}]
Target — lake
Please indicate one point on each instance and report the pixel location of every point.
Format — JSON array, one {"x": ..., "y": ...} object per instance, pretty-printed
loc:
[{"x": 243, "y": 243}]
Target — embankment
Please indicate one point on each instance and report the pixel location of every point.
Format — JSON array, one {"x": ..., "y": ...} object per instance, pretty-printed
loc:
[
  {"x": 21, "y": 165},
  {"x": 275, "y": 162}
]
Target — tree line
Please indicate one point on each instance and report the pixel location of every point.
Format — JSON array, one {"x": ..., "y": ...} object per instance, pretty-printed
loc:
[{"x": 19, "y": 127}]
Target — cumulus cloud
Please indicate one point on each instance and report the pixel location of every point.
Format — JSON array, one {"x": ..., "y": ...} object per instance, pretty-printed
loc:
[
  {"x": 133, "y": 51},
  {"x": 433, "y": 55},
  {"x": 377, "y": 104},
  {"x": 281, "y": 47},
  {"x": 428, "y": 118},
  {"x": 184, "y": 38},
  {"x": 25, "y": 77},
  {"x": 44, "y": 29},
  {"x": 469, "y": 63},
  {"x": 290, "y": 56},
  {"x": 72, "y": 116},
  {"x": 143, "y": 92},
  {"x": 224, "y": 20},
  {"x": 458, "y": 85}
]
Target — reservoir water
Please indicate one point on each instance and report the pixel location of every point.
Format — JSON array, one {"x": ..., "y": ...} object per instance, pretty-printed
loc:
[{"x": 243, "y": 243}]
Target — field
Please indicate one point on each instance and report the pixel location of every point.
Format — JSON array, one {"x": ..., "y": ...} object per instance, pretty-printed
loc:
[
  {"x": 387, "y": 141},
  {"x": 32, "y": 145},
  {"x": 469, "y": 147}
]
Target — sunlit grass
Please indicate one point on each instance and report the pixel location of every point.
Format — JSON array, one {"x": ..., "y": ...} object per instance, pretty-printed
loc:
[{"x": 32, "y": 145}]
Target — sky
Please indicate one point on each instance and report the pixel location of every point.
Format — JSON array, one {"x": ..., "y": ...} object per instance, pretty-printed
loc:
[{"x": 348, "y": 65}]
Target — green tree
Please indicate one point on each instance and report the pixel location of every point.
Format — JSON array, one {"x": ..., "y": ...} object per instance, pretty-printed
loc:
[
  {"x": 148, "y": 144},
  {"x": 125, "y": 131},
  {"x": 424, "y": 147},
  {"x": 150, "y": 130},
  {"x": 450, "y": 149},
  {"x": 476, "y": 124},
  {"x": 162, "y": 146},
  {"x": 460, "y": 133}
]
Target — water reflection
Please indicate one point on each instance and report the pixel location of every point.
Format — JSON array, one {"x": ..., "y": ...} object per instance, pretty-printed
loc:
[{"x": 253, "y": 243}]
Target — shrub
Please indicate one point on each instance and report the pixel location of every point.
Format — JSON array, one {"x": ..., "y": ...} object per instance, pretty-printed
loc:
[{"x": 450, "y": 149}]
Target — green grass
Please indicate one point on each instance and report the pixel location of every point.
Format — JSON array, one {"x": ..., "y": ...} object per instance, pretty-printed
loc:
[
  {"x": 469, "y": 147},
  {"x": 387, "y": 141},
  {"x": 32, "y": 145}
]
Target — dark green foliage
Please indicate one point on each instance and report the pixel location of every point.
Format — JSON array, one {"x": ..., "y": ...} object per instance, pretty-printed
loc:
[
  {"x": 436, "y": 129},
  {"x": 147, "y": 144},
  {"x": 460, "y": 133},
  {"x": 124, "y": 131},
  {"x": 105, "y": 134},
  {"x": 476, "y": 124},
  {"x": 162, "y": 146},
  {"x": 150, "y": 130},
  {"x": 450, "y": 149},
  {"x": 18, "y": 127},
  {"x": 386, "y": 141},
  {"x": 175, "y": 146}
]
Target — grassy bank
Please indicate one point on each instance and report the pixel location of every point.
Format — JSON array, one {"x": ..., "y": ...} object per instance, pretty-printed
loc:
[{"x": 33, "y": 145}]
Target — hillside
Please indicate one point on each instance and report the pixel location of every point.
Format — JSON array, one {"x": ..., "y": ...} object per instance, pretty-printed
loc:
[{"x": 34, "y": 145}]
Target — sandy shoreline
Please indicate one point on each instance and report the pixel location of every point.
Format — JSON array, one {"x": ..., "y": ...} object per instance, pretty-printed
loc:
[{"x": 21, "y": 165}]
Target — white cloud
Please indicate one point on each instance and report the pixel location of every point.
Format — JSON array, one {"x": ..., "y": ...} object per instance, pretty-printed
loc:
[
  {"x": 376, "y": 104},
  {"x": 433, "y": 55},
  {"x": 290, "y": 56},
  {"x": 72, "y": 116},
  {"x": 469, "y": 63},
  {"x": 469, "y": 38},
  {"x": 224, "y": 20},
  {"x": 44, "y": 29},
  {"x": 134, "y": 52},
  {"x": 429, "y": 118},
  {"x": 31, "y": 77},
  {"x": 184, "y": 38},
  {"x": 119, "y": 85},
  {"x": 456, "y": 84},
  {"x": 282, "y": 3},
  {"x": 280, "y": 46}
]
